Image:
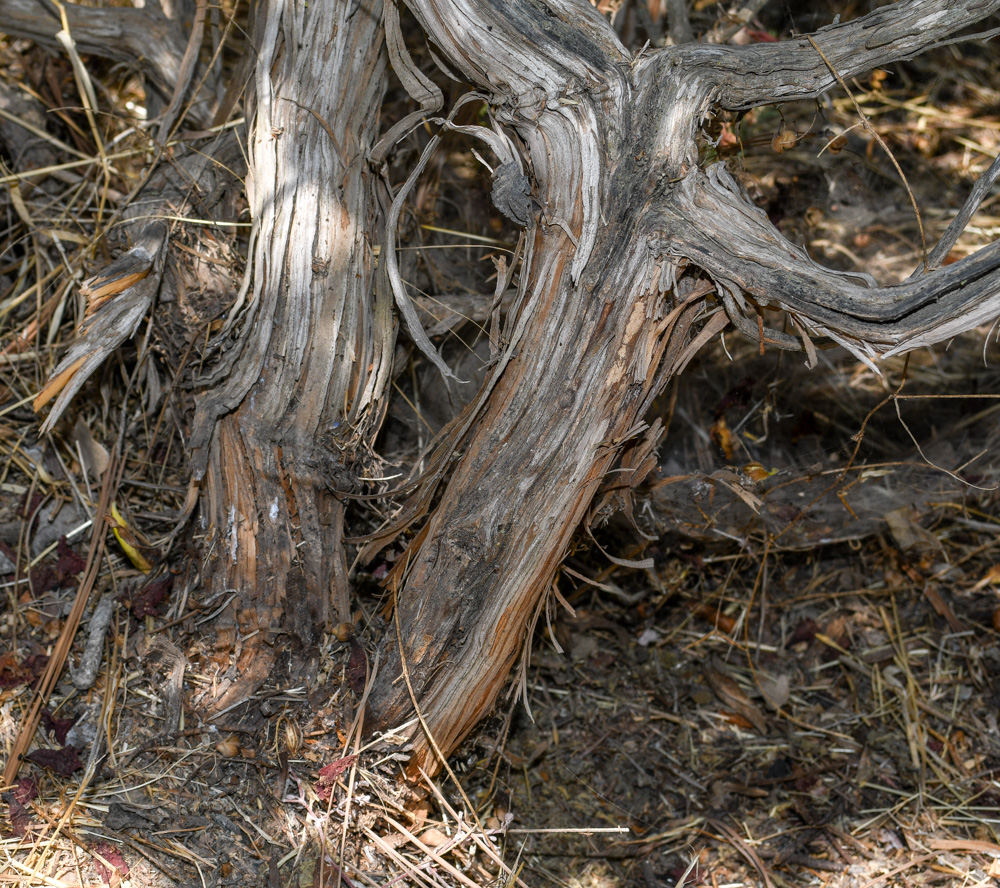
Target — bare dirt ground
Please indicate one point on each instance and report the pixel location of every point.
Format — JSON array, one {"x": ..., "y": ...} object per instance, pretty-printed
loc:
[{"x": 779, "y": 666}]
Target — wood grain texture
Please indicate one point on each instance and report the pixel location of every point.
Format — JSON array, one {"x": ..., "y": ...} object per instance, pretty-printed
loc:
[
  {"x": 629, "y": 228},
  {"x": 276, "y": 436}
]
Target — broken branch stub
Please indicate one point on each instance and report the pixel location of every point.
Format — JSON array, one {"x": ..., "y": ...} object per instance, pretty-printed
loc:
[{"x": 118, "y": 298}]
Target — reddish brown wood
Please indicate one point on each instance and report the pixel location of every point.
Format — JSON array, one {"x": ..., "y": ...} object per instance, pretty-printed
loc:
[
  {"x": 297, "y": 409},
  {"x": 627, "y": 223}
]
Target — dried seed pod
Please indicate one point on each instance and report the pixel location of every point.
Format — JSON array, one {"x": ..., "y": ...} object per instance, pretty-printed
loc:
[
  {"x": 783, "y": 140},
  {"x": 291, "y": 735},
  {"x": 228, "y": 746},
  {"x": 756, "y": 472}
]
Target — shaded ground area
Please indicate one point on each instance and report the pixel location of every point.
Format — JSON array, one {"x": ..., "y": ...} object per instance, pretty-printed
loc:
[
  {"x": 811, "y": 718},
  {"x": 777, "y": 666}
]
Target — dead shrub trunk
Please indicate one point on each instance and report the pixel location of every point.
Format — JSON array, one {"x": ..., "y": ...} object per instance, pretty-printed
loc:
[{"x": 637, "y": 252}]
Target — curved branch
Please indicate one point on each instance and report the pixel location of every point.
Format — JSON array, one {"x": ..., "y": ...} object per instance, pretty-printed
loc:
[
  {"x": 708, "y": 221},
  {"x": 569, "y": 45}
]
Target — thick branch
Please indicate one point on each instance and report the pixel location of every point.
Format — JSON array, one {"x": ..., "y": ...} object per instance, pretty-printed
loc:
[
  {"x": 142, "y": 38},
  {"x": 742, "y": 77},
  {"x": 708, "y": 220}
]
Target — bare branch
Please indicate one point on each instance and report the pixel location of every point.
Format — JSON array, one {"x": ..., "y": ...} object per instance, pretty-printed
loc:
[
  {"x": 742, "y": 77},
  {"x": 709, "y": 222}
]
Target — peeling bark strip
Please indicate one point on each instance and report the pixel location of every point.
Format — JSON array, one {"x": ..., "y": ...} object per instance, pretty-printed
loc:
[
  {"x": 305, "y": 392},
  {"x": 117, "y": 301},
  {"x": 628, "y": 224}
]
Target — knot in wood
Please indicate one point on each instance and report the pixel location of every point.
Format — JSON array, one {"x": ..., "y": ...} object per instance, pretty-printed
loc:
[{"x": 512, "y": 192}]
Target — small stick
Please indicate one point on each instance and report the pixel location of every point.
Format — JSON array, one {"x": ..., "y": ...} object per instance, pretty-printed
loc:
[{"x": 84, "y": 677}]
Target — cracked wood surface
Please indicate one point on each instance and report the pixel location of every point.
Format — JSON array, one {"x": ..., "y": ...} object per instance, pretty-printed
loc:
[
  {"x": 628, "y": 224},
  {"x": 278, "y": 434}
]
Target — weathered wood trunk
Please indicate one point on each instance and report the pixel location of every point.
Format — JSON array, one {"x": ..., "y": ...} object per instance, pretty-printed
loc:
[
  {"x": 636, "y": 255},
  {"x": 629, "y": 232},
  {"x": 284, "y": 433},
  {"x": 599, "y": 326}
]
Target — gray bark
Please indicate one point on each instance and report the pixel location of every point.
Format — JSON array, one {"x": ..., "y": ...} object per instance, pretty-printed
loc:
[
  {"x": 281, "y": 432},
  {"x": 631, "y": 235},
  {"x": 145, "y": 39}
]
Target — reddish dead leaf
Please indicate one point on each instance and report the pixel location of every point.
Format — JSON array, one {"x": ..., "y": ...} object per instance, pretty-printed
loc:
[
  {"x": 113, "y": 856},
  {"x": 20, "y": 818},
  {"x": 35, "y": 665},
  {"x": 49, "y": 577},
  {"x": 70, "y": 562},
  {"x": 357, "y": 668},
  {"x": 329, "y": 774},
  {"x": 146, "y": 601},
  {"x": 63, "y": 761},
  {"x": 806, "y": 782},
  {"x": 805, "y": 631},
  {"x": 12, "y": 673},
  {"x": 28, "y": 508},
  {"x": 26, "y": 789},
  {"x": 43, "y": 580},
  {"x": 55, "y": 726}
]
